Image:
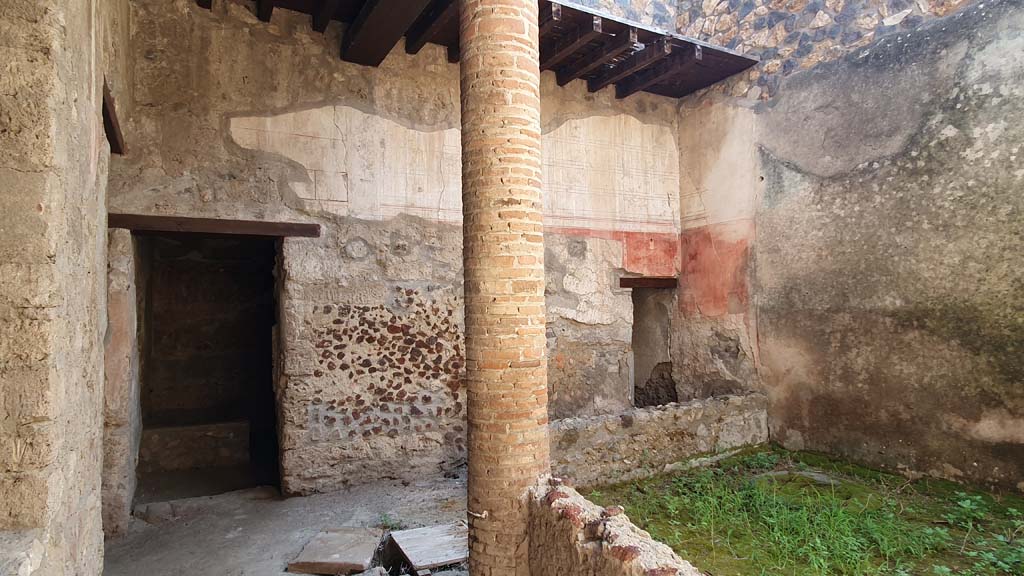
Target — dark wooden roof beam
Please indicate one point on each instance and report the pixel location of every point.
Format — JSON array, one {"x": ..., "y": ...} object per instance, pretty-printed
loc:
[
  {"x": 571, "y": 43},
  {"x": 682, "y": 61},
  {"x": 649, "y": 56},
  {"x": 550, "y": 16},
  {"x": 378, "y": 27},
  {"x": 440, "y": 14},
  {"x": 648, "y": 282},
  {"x": 146, "y": 223},
  {"x": 623, "y": 43},
  {"x": 264, "y": 8},
  {"x": 323, "y": 15},
  {"x": 111, "y": 125}
]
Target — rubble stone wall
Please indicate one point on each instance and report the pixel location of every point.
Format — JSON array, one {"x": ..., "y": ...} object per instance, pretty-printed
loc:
[
  {"x": 53, "y": 163},
  {"x": 855, "y": 242},
  {"x": 642, "y": 442},
  {"x": 122, "y": 421},
  {"x": 237, "y": 118},
  {"x": 571, "y": 535}
]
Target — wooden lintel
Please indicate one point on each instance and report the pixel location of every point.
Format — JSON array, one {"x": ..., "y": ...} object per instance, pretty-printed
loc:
[
  {"x": 624, "y": 42},
  {"x": 648, "y": 282},
  {"x": 111, "y": 125},
  {"x": 569, "y": 45},
  {"x": 142, "y": 223},
  {"x": 550, "y": 16},
  {"x": 264, "y": 9},
  {"x": 323, "y": 15},
  {"x": 440, "y": 14},
  {"x": 377, "y": 28},
  {"x": 682, "y": 61},
  {"x": 648, "y": 56}
]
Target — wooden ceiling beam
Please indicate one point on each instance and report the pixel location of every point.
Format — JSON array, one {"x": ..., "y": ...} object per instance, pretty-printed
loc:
[
  {"x": 440, "y": 14},
  {"x": 681, "y": 62},
  {"x": 550, "y": 16},
  {"x": 378, "y": 27},
  {"x": 623, "y": 43},
  {"x": 323, "y": 15},
  {"x": 648, "y": 282},
  {"x": 264, "y": 9},
  {"x": 145, "y": 223},
  {"x": 648, "y": 56},
  {"x": 570, "y": 44},
  {"x": 111, "y": 125}
]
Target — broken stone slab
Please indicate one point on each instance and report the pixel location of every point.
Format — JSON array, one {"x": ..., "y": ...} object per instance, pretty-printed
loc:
[
  {"x": 338, "y": 551},
  {"x": 375, "y": 571}
]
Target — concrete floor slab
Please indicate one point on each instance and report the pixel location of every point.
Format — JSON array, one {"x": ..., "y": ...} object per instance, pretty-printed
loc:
[{"x": 338, "y": 551}]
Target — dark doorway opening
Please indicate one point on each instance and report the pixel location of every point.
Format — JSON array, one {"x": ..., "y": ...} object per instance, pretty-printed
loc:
[
  {"x": 652, "y": 339},
  {"x": 207, "y": 316}
]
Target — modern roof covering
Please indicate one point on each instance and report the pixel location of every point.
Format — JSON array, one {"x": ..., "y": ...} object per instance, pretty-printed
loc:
[{"x": 576, "y": 42}]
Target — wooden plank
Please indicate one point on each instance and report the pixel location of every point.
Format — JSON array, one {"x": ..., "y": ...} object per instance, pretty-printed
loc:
[
  {"x": 623, "y": 43},
  {"x": 324, "y": 14},
  {"x": 642, "y": 59},
  {"x": 570, "y": 44},
  {"x": 550, "y": 16},
  {"x": 377, "y": 28},
  {"x": 683, "y": 61},
  {"x": 648, "y": 282},
  {"x": 146, "y": 223},
  {"x": 264, "y": 9},
  {"x": 434, "y": 546},
  {"x": 440, "y": 14},
  {"x": 337, "y": 551},
  {"x": 111, "y": 125}
]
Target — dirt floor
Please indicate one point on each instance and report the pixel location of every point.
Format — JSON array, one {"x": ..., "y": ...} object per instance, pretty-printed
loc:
[{"x": 256, "y": 532}]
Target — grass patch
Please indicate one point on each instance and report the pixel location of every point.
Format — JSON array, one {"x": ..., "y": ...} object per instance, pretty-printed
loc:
[{"x": 777, "y": 512}]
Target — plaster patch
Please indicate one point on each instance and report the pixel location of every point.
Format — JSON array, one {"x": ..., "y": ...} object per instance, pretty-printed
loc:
[{"x": 599, "y": 172}]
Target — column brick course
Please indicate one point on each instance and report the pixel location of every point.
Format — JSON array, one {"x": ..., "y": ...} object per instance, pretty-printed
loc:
[{"x": 504, "y": 272}]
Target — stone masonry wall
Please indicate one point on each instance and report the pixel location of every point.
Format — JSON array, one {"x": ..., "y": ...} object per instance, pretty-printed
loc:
[
  {"x": 642, "y": 442},
  {"x": 122, "y": 422},
  {"x": 53, "y": 162},
  {"x": 571, "y": 535},
  {"x": 242, "y": 119},
  {"x": 884, "y": 187}
]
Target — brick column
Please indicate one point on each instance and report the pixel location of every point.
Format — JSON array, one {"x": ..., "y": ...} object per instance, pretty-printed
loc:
[{"x": 504, "y": 272}]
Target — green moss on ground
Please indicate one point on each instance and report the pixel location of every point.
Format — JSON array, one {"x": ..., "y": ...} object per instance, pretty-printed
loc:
[{"x": 771, "y": 511}]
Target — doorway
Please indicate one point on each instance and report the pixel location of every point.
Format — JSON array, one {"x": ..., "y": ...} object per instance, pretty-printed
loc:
[
  {"x": 207, "y": 316},
  {"x": 652, "y": 340}
]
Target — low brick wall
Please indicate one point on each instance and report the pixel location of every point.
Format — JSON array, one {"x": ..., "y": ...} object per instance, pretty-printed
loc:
[
  {"x": 571, "y": 535},
  {"x": 643, "y": 442}
]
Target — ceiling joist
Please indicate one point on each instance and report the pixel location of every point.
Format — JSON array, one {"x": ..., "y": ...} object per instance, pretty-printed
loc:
[{"x": 576, "y": 42}]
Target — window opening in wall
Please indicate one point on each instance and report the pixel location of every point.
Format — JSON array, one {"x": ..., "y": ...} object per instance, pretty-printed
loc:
[
  {"x": 652, "y": 360},
  {"x": 207, "y": 309}
]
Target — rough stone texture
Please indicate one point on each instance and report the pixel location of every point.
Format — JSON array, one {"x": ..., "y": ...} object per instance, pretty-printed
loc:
[
  {"x": 641, "y": 442},
  {"x": 503, "y": 255},
  {"x": 53, "y": 162},
  {"x": 793, "y": 35},
  {"x": 889, "y": 272},
  {"x": 223, "y": 130},
  {"x": 884, "y": 264},
  {"x": 198, "y": 446},
  {"x": 571, "y": 535},
  {"x": 122, "y": 422}
]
